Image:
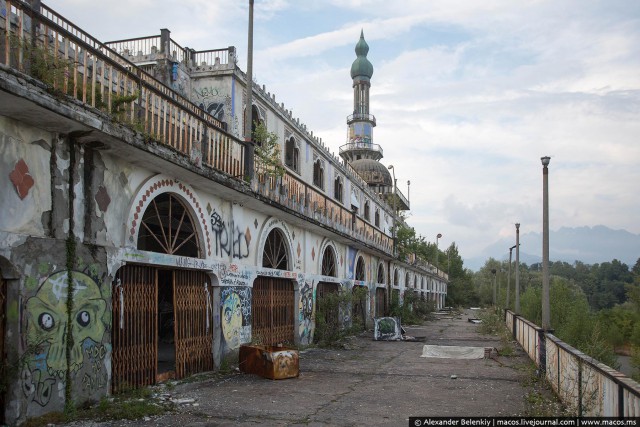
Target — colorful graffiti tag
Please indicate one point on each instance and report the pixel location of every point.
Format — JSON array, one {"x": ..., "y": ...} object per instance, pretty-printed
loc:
[
  {"x": 229, "y": 239},
  {"x": 306, "y": 312},
  {"x": 235, "y": 314},
  {"x": 47, "y": 325}
]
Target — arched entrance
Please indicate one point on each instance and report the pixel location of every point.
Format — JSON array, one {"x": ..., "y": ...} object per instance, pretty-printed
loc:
[
  {"x": 273, "y": 316},
  {"x": 328, "y": 311},
  {"x": 381, "y": 294},
  {"x": 359, "y": 292},
  {"x": 162, "y": 323}
]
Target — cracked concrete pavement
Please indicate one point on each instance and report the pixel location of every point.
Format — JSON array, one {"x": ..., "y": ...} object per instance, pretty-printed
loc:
[{"x": 367, "y": 383}]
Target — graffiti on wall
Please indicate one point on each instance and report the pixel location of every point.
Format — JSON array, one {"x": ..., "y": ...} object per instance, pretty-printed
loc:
[
  {"x": 218, "y": 105},
  {"x": 306, "y": 312},
  {"x": 47, "y": 319},
  {"x": 235, "y": 315},
  {"x": 229, "y": 239}
]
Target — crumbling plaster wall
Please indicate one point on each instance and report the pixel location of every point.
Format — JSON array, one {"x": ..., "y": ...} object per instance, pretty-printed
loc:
[{"x": 25, "y": 181}]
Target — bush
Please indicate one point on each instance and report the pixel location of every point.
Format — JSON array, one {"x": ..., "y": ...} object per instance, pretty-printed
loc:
[
  {"x": 413, "y": 309},
  {"x": 331, "y": 311}
]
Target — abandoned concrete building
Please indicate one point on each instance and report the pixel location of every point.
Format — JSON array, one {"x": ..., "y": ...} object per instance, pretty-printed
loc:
[{"x": 136, "y": 246}]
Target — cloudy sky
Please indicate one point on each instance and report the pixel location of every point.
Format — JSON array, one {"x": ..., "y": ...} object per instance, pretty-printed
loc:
[{"x": 468, "y": 95}]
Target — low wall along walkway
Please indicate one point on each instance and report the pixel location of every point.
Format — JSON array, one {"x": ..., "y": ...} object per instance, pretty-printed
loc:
[{"x": 586, "y": 386}]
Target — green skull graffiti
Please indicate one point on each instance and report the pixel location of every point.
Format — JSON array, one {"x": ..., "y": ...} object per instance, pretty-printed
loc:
[{"x": 47, "y": 319}]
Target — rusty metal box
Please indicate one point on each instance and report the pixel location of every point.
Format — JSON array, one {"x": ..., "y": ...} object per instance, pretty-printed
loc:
[{"x": 272, "y": 362}]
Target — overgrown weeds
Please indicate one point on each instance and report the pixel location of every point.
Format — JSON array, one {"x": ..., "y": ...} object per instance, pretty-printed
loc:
[
  {"x": 130, "y": 405},
  {"x": 413, "y": 310},
  {"x": 339, "y": 315},
  {"x": 541, "y": 400}
]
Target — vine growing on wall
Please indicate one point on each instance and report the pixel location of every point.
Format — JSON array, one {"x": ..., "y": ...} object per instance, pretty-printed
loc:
[{"x": 71, "y": 247}]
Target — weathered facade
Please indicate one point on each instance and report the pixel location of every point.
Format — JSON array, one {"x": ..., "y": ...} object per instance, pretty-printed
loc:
[{"x": 132, "y": 248}]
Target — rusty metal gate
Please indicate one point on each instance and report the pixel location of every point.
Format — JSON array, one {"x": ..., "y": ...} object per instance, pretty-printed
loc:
[
  {"x": 134, "y": 331},
  {"x": 381, "y": 301},
  {"x": 135, "y": 325},
  {"x": 193, "y": 326},
  {"x": 3, "y": 311},
  {"x": 272, "y": 310}
]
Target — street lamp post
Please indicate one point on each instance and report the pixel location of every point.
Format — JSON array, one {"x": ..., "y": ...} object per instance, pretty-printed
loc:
[
  {"x": 248, "y": 137},
  {"x": 517, "y": 307},
  {"x": 393, "y": 234},
  {"x": 546, "y": 316},
  {"x": 438, "y": 236},
  {"x": 509, "y": 278},
  {"x": 408, "y": 187},
  {"x": 495, "y": 293}
]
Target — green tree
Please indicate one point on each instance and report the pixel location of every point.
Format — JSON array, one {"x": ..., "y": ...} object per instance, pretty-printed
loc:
[{"x": 267, "y": 152}]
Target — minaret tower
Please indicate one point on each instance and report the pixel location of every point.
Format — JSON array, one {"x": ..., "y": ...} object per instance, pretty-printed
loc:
[{"x": 360, "y": 151}]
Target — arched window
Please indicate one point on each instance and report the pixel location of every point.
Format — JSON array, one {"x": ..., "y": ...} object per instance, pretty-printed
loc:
[
  {"x": 276, "y": 253},
  {"x": 377, "y": 218},
  {"x": 367, "y": 208},
  {"x": 396, "y": 278},
  {"x": 318, "y": 174},
  {"x": 381, "y": 273},
  {"x": 292, "y": 154},
  {"x": 329, "y": 263},
  {"x": 167, "y": 227},
  {"x": 337, "y": 189},
  {"x": 360, "y": 271},
  {"x": 255, "y": 119},
  {"x": 407, "y": 280}
]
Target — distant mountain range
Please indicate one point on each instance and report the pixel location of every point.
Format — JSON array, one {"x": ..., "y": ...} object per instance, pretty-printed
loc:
[{"x": 590, "y": 245}]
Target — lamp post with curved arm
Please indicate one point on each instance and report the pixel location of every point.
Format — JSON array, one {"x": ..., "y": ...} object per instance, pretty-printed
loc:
[
  {"x": 546, "y": 315},
  {"x": 438, "y": 236},
  {"x": 395, "y": 249}
]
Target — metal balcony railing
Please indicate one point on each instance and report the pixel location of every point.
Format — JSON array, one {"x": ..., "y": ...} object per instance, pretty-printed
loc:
[
  {"x": 361, "y": 117},
  {"x": 354, "y": 146}
]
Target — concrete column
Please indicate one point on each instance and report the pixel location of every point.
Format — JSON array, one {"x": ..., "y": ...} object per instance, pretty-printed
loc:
[
  {"x": 165, "y": 38},
  {"x": 546, "y": 315},
  {"x": 249, "y": 148},
  {"x": 517, "y": 307}
]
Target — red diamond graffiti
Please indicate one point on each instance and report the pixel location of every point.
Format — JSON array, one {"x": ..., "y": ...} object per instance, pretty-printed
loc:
[{"x": 21, "y": 179}]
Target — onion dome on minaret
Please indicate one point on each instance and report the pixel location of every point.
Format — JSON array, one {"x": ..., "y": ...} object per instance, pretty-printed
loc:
[{"x": 361, "y": 67}]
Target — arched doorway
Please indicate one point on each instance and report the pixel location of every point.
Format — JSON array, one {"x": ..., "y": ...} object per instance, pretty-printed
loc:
[
  {"x": 327, "y": 307},
  {"x": 273, "y": 317},
  {"x": 381, "y": 294},
  {"x": 162, "y": 324},
  {"x": 360, "y": 296}
]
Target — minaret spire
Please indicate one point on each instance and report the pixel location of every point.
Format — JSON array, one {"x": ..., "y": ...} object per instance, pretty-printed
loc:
[{"x": 361, "y": 123}]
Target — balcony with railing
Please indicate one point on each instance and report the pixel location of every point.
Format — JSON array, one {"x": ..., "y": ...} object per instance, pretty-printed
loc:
[
  {"x": 74, "y": 65},
  {"x": 361, "y": 117},
  {"x": 362, "y": 146},
  {"x": 395, "y": 198},
  {"x": 153, "y": 47},
  {"x": 307, "y": 200}
]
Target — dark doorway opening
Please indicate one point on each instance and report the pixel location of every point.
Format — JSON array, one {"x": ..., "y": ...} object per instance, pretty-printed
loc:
[{"x": 166, "y": 326}]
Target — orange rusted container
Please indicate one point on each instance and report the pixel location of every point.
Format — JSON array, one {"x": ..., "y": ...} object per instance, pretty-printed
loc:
[{"x": 276, "y": 363}]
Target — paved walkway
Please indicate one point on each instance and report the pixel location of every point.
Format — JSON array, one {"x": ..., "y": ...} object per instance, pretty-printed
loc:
[{"x": 368, "y": 383}]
